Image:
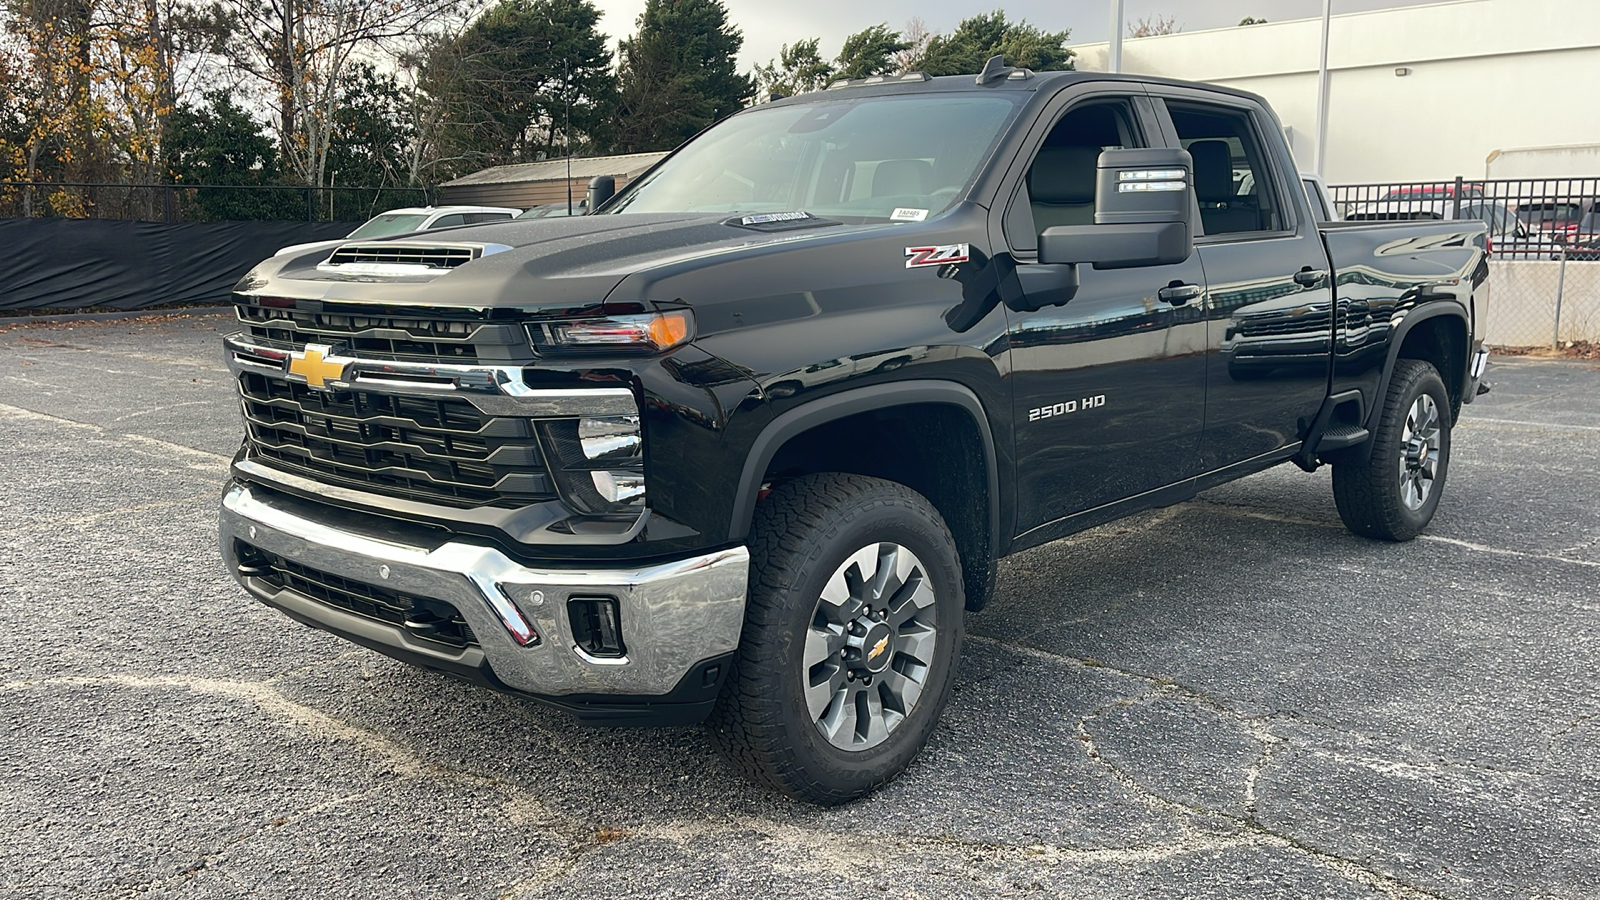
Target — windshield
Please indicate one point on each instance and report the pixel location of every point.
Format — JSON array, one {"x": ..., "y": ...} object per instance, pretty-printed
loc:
[
  {"x": 896, "y": 157},
  {"x": 387, "y": 224}
]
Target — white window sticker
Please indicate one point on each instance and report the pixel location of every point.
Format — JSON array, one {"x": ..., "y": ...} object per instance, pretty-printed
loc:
[{"x": 904, "y": 214}]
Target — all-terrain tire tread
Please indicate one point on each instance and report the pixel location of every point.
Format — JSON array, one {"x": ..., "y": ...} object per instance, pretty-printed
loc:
[
  {"x": 746, "y": 724},
  {"x": 1366, "y": 491}
]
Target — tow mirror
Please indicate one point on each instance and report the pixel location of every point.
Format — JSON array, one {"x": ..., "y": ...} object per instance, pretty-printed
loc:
[
  {"x": 1143, "y": 202},
  {"x": 601, "y": 189}
]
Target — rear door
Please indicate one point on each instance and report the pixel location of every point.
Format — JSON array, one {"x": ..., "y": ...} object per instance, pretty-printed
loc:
[
  {"x": 1268, "y": 306},
  {"x": 1109, "y": 388}
]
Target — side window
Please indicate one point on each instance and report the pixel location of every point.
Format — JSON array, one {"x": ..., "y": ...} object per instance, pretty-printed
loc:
[
  {"x": 446, "y": 221},
  {"x": 1059, "y": 186},
  {"x": 1232, "y": 180},
  {"x": 476, "y": 218}
]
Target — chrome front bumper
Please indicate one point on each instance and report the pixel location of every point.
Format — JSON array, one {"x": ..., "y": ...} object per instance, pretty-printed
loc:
[{"x": 673, "y": 616}]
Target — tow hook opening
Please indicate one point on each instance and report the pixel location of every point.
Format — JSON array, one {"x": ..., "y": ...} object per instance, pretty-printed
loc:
[{"x": 597, "y": 626}]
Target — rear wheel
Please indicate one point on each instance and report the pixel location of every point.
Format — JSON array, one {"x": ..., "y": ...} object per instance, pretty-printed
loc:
[
  {"x": 852, "y": 632},
  {"x": 1392, "y": 495}
]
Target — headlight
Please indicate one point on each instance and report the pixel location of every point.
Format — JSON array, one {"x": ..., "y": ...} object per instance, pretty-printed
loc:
[{"x": 649, "y": 332}]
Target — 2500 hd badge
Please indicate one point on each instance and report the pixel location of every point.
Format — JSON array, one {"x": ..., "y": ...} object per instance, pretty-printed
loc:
[
  {"x": 1065, "y": 408},
  {"x": 744, "y": 444}
]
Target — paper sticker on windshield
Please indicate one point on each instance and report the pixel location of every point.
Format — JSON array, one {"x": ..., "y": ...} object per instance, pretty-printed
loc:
[
  {"x": 906, "y": 214},
  {"x": 769, "y": 218},
  {"x": 942, "y": 255}
]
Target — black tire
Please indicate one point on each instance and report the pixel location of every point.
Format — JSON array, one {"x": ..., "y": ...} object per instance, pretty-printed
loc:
[
  {"x": 1373, "y": 496},
  {"x": 805, "y": 534}
]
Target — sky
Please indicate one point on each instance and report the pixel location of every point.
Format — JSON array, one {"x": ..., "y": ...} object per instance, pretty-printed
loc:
[{"x": 769, "y": 24}]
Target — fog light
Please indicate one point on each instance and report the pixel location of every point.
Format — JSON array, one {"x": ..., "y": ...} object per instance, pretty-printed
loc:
[
  {"x": 619, "y": 486},
  {"x": 596, "y": 626}
]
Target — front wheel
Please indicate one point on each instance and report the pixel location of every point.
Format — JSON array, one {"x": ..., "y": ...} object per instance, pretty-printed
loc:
[
  {"x": 1392, "y": 495},
  {"x": 852, "y": 632}
]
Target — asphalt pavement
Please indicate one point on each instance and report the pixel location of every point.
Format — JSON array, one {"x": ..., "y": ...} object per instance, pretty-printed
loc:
[{"x": 1233, "y": 697}]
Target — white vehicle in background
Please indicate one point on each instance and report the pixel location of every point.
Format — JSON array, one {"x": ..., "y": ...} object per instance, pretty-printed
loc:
[
  {"x": 1321, "y": 201},
  {"x": 1507, "y": 234},
  {"x": 417, "y": 218}
]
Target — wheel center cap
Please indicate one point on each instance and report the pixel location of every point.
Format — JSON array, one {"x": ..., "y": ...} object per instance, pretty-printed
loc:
[{"x": 876, "y": 648}]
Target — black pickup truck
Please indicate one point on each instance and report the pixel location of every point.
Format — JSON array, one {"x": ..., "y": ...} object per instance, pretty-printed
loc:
[{"x": 745, "y": 443}]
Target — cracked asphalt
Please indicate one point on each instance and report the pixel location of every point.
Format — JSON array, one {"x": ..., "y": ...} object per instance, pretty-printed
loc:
[{"x": 1228, "y": 698}]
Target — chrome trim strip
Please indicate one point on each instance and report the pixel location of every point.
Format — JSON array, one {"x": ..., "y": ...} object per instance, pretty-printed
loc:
[
  {"x": 673, "y": 615},
  {"x": 494, "y": 390},
  {"x": 421, "y": 509}
]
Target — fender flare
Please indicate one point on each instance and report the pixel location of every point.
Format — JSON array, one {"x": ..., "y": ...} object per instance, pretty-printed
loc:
[
  {"x": 852, "y": 402},
  {"x": 1398, "y": 339}
]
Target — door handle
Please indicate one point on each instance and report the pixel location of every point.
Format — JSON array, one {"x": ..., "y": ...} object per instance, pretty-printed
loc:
[
  {"x": 1309, "y": 277},
  {"x": 1178, "y": 293}
]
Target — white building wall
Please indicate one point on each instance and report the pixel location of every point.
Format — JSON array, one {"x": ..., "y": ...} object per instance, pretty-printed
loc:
[{"x": 1483, "y": 75}]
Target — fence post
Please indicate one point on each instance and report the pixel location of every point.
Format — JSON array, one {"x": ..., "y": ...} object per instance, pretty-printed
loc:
[
  {"x": 311, "y": 211},
  {"x": 1561, "y": 283},
  {"x": 1455, "y": 207},
  {"x": 168, "y": 214}
]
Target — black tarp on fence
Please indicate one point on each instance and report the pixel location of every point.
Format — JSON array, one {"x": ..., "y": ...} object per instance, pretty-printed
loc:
[{"x": 82, "y": 263}]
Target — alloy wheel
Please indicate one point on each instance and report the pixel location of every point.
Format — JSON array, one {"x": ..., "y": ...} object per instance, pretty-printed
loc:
[
  {"x": 869, "y": 647},
  {"x": 1419, "y": 452}
]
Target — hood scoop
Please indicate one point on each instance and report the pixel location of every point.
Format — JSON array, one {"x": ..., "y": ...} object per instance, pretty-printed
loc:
[{"x": 400, "y": 258}]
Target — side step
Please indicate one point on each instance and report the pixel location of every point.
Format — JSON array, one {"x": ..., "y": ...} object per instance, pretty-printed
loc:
[{"x": 1338, "y": 437}]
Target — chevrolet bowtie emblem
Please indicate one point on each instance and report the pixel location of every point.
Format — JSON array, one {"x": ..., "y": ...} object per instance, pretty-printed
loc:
[
  {"x": 317, "y": 364},
  {"x": 878, "y": 648}
]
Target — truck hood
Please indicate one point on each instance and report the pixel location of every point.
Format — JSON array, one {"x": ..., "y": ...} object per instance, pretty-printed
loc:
[{"x": 535, "y": 264}]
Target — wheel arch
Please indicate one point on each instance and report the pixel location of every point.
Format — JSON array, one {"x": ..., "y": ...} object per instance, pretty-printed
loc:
[
  {"x": 792, "y": 427},
  {"x": 1439, "y": 334}
]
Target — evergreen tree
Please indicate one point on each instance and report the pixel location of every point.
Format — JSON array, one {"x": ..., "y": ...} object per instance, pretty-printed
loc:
[
  {"x": 499, "y": 93},
  {"x": 678, "y": 74},
  {"x": 371, "y": 130},
  {"x": 219, "y": 143},
  {"x": 965, "y": 50},
  {"x": 869, "y": 52},
  {"x": 799, "y": 69}
]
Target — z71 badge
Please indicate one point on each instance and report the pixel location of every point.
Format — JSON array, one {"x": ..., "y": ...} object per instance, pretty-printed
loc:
[{"x": 942, "y": 255}]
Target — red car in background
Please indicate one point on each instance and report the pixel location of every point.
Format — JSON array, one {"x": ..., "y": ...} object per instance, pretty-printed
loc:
[{"x": 1434, "y": 192}]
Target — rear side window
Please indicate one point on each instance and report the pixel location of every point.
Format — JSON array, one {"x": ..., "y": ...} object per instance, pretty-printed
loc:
[
  {"x": 447, "y": 221},
  {"x": 1231, "y": 179},
  {"x": 477, "y": 217}
]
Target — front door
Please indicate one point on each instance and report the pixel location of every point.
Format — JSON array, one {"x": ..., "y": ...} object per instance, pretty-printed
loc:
[{"x": 1109, "y": 388}]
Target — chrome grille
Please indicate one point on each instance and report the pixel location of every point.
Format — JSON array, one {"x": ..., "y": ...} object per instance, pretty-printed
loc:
[
  {"x": 402, "y": 255},
  {"x": 375, "y": 337},
  {"x": 434, "y": 450}
]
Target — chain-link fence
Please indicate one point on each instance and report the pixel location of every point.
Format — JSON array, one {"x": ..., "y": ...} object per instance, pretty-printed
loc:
[
  {"x": 1544, "y": 266},
  {"x": 174, "y": 203}
]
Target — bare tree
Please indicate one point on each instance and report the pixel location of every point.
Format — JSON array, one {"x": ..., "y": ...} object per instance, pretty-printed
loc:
[
  {"x": 1149, "y": 26},
  {"x": 301, "y": 49},
  {"x": 916, "y": 34}
]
